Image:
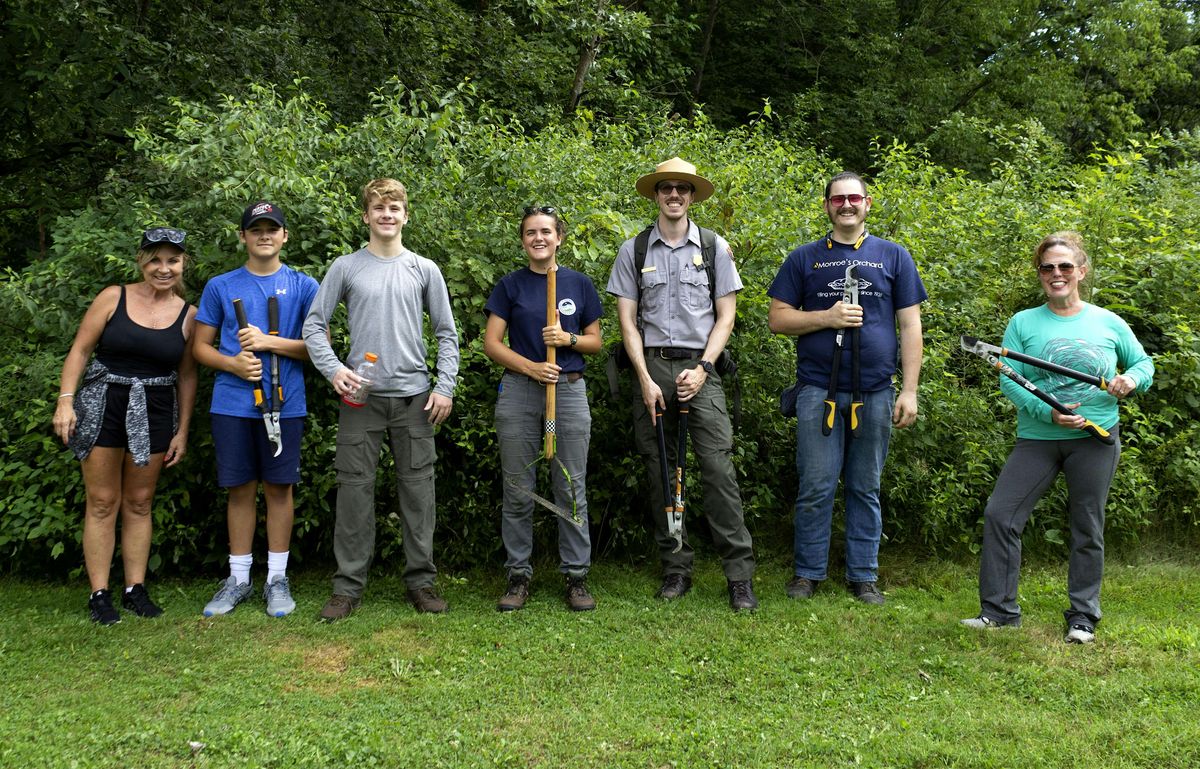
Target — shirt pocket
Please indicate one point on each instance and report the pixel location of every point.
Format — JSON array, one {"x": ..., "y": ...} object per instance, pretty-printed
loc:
[
  {"x": 694, "y": 293},
  {"x": 653, "y": 283}
]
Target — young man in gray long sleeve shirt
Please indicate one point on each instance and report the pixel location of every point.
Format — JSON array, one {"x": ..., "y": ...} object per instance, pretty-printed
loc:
[{"x": 387, "y": 289}]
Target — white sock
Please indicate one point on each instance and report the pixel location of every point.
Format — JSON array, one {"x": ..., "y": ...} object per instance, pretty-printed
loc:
[
  {"x": 239, "y": 567},
  {"x": 276, "y": 565}
]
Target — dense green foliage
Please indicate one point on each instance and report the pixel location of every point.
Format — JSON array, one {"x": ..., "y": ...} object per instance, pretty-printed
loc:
[
  {"x": 470, "y": 169},
  {"x": 635, "y": 684}
]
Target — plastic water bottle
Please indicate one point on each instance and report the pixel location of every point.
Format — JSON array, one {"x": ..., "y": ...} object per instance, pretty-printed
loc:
[{"x": 366, "y": 370}]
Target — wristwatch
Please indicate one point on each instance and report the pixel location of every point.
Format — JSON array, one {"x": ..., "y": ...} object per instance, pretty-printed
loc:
[
  {"x": 574, "y": 339},
  {"x": 708, "y": 367}
]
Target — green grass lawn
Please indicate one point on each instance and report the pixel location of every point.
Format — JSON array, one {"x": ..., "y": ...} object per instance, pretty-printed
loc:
[{"x": 828, "y": 682}]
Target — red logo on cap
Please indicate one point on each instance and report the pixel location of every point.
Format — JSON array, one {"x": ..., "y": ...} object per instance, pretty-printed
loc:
[{"x": 261, "y": 208}]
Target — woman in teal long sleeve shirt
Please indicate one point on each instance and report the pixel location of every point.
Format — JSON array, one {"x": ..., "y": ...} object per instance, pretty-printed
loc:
[{"x": 1070, "y": 332}]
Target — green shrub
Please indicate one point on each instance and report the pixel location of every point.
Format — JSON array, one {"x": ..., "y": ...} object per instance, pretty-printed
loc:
[{"x": 469, "y": 173}]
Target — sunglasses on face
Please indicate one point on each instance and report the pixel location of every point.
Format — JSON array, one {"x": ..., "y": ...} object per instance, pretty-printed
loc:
[
  {"x": 164, "y": 235},
  {"x": 547, "y": 210},
  {"x": 840, "y": 200},
  {"x": 669, "y": 187},
  {"x": 1066, "y": 268}
]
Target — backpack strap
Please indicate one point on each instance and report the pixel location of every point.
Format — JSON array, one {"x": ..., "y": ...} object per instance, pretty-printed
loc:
[
  {"x": 708, "y": 253},
  {"x": 640, "y": 244}
]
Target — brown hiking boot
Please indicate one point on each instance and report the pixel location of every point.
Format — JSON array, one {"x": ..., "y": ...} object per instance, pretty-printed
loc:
[
  {"x": 339, "y": 607},
  {"x": 516, "y": 595},
  {"x": 578, "y": 597},
  {"x": 427, "y": 601}
]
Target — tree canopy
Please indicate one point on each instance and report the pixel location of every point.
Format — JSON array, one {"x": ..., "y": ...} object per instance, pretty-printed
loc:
[{"x": 76, "y": 77}]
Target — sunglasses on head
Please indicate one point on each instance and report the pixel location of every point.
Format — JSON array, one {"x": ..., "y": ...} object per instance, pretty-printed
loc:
[
  {"x": 164, "y": 235},
  {"x": 841, "y": 200},
  {"x": 547, "y": 210},
  {"x": 1066, "y": 268}
]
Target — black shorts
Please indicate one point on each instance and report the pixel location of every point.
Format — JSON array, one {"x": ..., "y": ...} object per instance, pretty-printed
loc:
[{"x": 160, "y": 408}]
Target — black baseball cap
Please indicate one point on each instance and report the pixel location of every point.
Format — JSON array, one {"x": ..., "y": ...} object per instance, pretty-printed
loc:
[{"x": 262, "y": 210}]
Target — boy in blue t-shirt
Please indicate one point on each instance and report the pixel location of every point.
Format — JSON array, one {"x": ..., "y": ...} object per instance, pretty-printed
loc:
[{"x": 249, "y": 449}]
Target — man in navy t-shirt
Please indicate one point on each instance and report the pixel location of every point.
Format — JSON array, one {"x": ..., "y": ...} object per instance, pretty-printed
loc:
[{"x": 806, "y": 302}]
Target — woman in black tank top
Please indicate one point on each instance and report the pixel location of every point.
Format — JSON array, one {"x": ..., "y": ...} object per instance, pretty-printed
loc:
[{"x": 129, "y": 416}]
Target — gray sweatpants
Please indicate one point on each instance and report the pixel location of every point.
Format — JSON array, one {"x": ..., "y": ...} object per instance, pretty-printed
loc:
[{"x": 1089, "y": 466}]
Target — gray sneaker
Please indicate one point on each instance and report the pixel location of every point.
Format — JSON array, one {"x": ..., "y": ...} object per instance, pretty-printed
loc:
[
  {"x": 278, "y": 595},
  {"x": 229, "y": 596},
  {"x": 987, "y": 623}
]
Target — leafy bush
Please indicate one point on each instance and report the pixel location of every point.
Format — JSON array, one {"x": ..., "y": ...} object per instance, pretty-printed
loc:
[{"x": 470, "y": 172}]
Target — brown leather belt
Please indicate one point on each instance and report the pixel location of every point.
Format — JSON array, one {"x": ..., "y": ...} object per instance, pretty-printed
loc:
[{"x": 674, "y": 353}]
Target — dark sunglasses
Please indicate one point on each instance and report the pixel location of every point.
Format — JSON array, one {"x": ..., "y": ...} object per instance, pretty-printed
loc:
[
  {"x": 841, "y": 200},
  {"x": 547, "y": 210},
  {"x": 1066, "y": 268},
  {"x": 682, "y": 188}
]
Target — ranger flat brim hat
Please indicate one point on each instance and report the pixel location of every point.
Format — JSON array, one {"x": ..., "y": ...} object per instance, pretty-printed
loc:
[{"x": 675, "y": 168}]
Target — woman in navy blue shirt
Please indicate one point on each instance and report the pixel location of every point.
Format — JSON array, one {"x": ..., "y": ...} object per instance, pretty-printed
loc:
[{"x": 516, "y": 310}]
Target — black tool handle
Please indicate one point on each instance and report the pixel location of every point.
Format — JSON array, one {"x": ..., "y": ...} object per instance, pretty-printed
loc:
[
  {"x": 1090, "y": 427},
  {"x": 260, "y": 402},
  {"x": 831, "y": 395},
  {"x": 273, "y": 330},
  {"x": 681, "y": 458},
  {"x": 240, "y": 312},
  {"x": 662, "y": 459}
]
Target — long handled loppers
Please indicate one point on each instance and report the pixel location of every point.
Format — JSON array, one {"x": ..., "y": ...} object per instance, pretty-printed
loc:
[
  {"x": 971, "y": 344},
  {"x": 990, "y": 353},
  {"x": 673, "y": 504},
  {"x": 849, "y": 296},
  {"x": 262, "y": 401},
  {"x": 549, "y": 435}
]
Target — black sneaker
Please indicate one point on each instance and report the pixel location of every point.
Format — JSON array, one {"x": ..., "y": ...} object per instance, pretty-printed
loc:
[
  {"x": 741, "y": 595},
  {"x": 101, "y": 605},
  {"x": 867, "y": 592},
  {"x": 137, "y": 600}
]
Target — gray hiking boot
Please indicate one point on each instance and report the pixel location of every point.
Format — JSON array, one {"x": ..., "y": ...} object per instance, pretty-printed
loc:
[
  {"x": 278, "y": 595},
  {"x": 229, "y": 596}
]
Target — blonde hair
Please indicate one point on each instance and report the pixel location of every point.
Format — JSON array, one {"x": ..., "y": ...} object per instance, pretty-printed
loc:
[
  {"x": 1068, "y": 239},
  {"x": 384, "y": 189},
  {"x": 144, "y": 255}
]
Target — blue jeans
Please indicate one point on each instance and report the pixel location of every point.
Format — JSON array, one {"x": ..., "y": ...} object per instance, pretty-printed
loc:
[{"x": 820, "y": 461}]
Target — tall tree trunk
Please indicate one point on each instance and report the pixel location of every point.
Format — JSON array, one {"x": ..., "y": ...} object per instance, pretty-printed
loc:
[
  {"x": 588, "y": 50},
  {"x": 705, "y": 48}
]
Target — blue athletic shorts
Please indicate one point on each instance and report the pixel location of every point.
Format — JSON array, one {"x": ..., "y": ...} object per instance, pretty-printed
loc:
[{"x": 244, "y": 454}]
